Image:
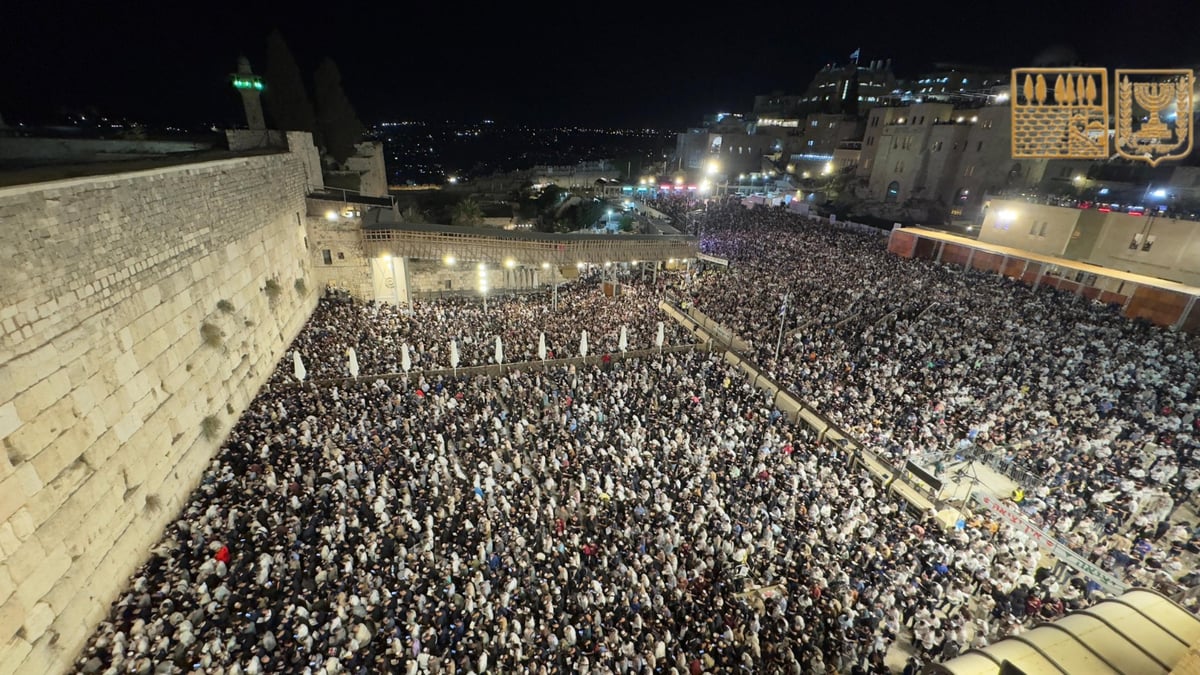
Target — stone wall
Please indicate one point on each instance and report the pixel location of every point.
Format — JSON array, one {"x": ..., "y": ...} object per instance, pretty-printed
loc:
[{"x": 137, "y": 315}]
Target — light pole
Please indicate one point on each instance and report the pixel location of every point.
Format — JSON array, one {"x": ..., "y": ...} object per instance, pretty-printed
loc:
[
  {"x": 483, "y": 284},
  {"x": 782, "y": 316}
]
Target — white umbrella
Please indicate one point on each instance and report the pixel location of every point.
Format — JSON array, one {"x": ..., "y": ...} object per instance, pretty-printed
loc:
[
  {"x": 453, "y": 354},
  {"x": 623, "y": 341},
  {"x": 659, "y": 339},
  {"x": 353, "y": 366},
  {"x": 298, "y": 367},
  {"x": 499, "y": 351},
  {"x": 583, "y": 344},
  {"x": 542, "y": 346},
  {"x": 405, "y": 360}
]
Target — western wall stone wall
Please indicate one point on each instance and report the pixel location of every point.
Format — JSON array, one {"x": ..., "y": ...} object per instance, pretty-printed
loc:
[{"x": 136, "y": 323}]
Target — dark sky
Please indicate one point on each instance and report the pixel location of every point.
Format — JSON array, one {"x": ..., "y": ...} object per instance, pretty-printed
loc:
[{"x": 661, "y": 64}]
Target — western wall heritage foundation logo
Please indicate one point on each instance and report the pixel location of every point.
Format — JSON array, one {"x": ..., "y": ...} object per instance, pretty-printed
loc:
[
  {"x": 1154, "y": 114},
  {"x": 1059, "y": 113}
]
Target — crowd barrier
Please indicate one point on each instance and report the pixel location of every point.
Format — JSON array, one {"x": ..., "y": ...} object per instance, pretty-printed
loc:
[
  {"x": 496, "y": 370},
  {"x": 919, "y": 500}
]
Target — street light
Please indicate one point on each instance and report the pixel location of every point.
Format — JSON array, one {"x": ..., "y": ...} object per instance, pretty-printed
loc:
[
  {"x": 449, "y": 260},
  {"x": 782, "y": 316},
  {"x": 713, "y": 167}
]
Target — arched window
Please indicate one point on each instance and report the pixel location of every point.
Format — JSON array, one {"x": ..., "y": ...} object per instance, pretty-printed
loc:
[{"x": 893, "y": 191}]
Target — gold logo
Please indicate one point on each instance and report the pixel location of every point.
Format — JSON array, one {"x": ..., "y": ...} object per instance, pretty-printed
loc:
[
  {"x": 1154, "y": 114},
  {"x": 1068, "y": 121}
]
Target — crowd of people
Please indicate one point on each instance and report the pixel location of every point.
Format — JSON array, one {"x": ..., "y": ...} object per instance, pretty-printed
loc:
[
  {"x": 655, "y": 514},
  {"x": 928, "y": 362},
  {"x": 378, "y": 331}
]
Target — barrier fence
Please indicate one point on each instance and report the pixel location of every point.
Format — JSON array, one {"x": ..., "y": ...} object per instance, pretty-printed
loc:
[
  {"x": 494, "y": 369},
  {"x": 919, "y": 500}
]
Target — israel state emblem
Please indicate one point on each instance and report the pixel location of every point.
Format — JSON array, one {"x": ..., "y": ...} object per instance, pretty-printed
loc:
[
  {"x": 1154, "y": 114},
  {"x": 1059, "y": 113}
]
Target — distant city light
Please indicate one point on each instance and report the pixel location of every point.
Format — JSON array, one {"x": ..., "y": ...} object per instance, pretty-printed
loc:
[
  {"x": 452, "y": 180},
  {"x": 1160, "y": 193}
]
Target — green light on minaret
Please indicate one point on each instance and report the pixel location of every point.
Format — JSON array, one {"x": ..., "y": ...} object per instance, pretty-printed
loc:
[{"x": 248, "y": 83}]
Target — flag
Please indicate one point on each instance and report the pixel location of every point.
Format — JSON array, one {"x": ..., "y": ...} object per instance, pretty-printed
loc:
[
  {"x": 453, "y": 354},
  {"x": 855, "y": 54},
  {"x": 542, "y": 346},
  {"x": 499, "y": 351},
  {"x": 353, "y": 365},
  {"x": 405, "y": 360},
  {"x": 623, "y": 342},
  {"x": 660, "y": 338},
  {"x": 583, "y": 344}
]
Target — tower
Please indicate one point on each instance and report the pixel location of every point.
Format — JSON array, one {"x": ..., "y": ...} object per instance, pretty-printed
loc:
[{"x": 250, "y": 86}]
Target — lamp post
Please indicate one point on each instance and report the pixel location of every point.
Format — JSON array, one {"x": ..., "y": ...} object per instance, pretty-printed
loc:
[
  {"x": 782, "y": 316},
  {"x": 483, "y": 284}
]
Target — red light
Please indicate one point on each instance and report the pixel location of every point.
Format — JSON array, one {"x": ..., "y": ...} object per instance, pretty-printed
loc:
[
  {"x": 1104, "y": 209},
  {"x": 1136, "y": 213}
]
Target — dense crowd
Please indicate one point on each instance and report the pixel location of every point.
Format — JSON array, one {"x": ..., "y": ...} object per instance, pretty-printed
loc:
[
  {"x": 379, "y": 331},
  {"x": 656, "y": 515},
  {"x": 653, "y": 516},
  {"x": 931, "y": 363}
]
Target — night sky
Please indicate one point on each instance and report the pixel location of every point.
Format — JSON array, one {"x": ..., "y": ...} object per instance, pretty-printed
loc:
[{"x": 597, "y": 64}]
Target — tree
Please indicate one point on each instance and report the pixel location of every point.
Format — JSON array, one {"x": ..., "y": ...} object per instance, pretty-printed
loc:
[
  {"x": 285, "y": 97},
  {"x": 340, "y": 127},
  {"x": 412, "y": 214},
  {"x": 466, "y": 213},
  {"x": 627, "y": 222}
]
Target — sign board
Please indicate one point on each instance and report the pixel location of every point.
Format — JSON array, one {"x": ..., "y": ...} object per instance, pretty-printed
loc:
[
  {"x": 923, "y": 476},
  {"x": 1010, "y": 514},
  {"x": 713, "y": 259}
]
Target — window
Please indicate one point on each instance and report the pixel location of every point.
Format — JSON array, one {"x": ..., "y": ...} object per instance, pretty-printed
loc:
[
  {"x": 906, "y": 143},
  {"x": 1042, "y": 231},
  {"x": 816, "y": 122},
  {"x": 341, "y": 255},
  {"x": 867, "y": 164},
  {"x": 327, "y": 256},
  {"x": 811, "y": 143},
  {"x": 937, "y": 147},
  {"x": 893, "y": 191},
  {"x": 987, "y": 124},
  {"x": 900, "y": 167},
  {"x": 870, "y": 140},
  {"x": 1033, "y": 228},
  {"x": 1149, "y": 242},
  {"x": 832, "y": 125},
  {"x": 979, "y": 146},
  {"x": 970, "y": 171},
  {"x": 1066, "y": 171}
]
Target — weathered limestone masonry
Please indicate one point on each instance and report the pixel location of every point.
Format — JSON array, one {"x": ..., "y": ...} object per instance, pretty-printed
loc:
[{"x": 119, "y": 373}]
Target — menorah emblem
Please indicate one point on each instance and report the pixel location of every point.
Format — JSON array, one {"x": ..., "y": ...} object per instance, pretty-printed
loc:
[
  {"x": 1066, "y": 121},
  {"x": 1154, "y": 114}
]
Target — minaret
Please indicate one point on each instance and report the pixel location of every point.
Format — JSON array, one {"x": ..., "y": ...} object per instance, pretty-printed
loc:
[{"x": 250, "y": 86}]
